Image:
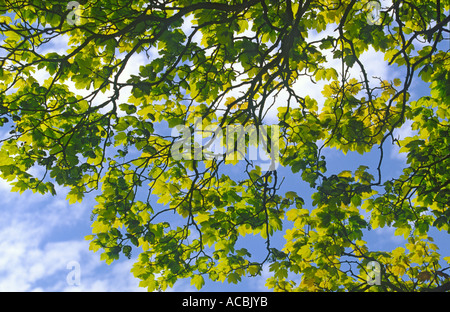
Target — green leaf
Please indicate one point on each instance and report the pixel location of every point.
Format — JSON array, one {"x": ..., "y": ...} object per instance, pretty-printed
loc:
[
  {"x": 345, "y": 174},
  {"x": 233, "y": 278},
  {"x": 198, "y": 281},
  {"x": 290, "y": 195}
]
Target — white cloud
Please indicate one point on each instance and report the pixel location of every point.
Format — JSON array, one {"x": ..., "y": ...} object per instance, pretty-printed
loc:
[
  {"x": 373, "y": 62},
  {"x": 374, "y": 65},
  {"x": 41, "y": 235},
  {"x": 259, "y": 283},
  {"x": 385, "y": 239},
  {"x": 400, "y": 134},
  {"x": 118, "y": 278}
]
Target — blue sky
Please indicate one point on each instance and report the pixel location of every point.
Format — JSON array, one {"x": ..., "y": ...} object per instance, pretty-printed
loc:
[{"x": 41, "y": 235}]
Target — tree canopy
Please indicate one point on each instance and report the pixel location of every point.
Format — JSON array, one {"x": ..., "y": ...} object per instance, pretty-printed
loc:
[{"x": 217, "y": 64}]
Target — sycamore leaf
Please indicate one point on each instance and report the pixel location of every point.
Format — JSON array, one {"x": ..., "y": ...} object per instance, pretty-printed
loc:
[
  {"x": 233, "y": 278},
  {"x": 424, "y": 276},
  {"x": 345, "y": 174},
  {"x": 198, "y": 281}
]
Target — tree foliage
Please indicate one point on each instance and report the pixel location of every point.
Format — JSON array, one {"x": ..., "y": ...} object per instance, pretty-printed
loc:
[{"x": 227, "y": 63}]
